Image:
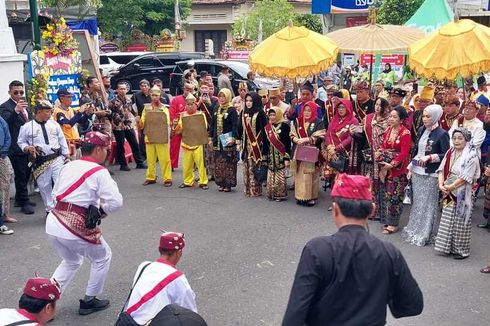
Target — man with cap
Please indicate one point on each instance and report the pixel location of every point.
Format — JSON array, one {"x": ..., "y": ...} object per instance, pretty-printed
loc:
[
  {"x": 264, "y": 97},
  {"x": 307, "y": 92},
  {"x": 68, "y": 118},
  {"x": 43, "y": 140},
  {"x": 84, "y": 193},
  {"x": 349, "y": 278},
  {"x": 156, "y": 149},
  {"x": 193, "y": 155},
  {"x": 451, "y": 112},
  {"x": 37, "y": 305},
  {"x": 482, "y": 88},
  {"x": 363, "y": 105},
  {"x": 242, "y": 91},
  {"x": 470, "y": 121},
  {"x": 159, "y": 283},
  {"x": 177, "y": 107},
  {"x": 396, "y": 97},
  {"x": 275, "y": 101},
  {"x": 425, "y": 98},
  {"x": 329, "y": 105}
]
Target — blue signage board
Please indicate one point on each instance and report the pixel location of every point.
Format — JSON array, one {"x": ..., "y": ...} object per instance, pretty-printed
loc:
[
  {"x": 68, "y": 82},
  {"x": 350, "y": 6}
]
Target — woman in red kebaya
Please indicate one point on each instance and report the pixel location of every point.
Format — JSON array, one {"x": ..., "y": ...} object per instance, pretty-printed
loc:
[{"x": 393, "y": 159}]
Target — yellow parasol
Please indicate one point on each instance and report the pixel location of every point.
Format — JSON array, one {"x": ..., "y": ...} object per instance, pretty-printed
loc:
[
  {"x": 375, "y": 39},
  {"x": 459, "y": 47},
  {"x": 293, "y": 52}
]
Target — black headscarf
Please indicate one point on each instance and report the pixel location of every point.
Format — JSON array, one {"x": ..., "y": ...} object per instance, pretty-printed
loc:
[
  {"x": 256, "y": 103},
  {"x": 387, "y": 70}
]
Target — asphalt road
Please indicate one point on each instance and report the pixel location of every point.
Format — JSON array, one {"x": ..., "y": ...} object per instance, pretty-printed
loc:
[{"x": 240, "y": 258}]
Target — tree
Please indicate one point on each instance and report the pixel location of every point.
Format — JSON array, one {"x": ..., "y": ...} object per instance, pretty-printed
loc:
[
  {"x": 60, "y": 5},
  {"x": 119, "y": 17},
  {"x": 151, "y": 16},
  {"x": 396, "y": 12},
  {"x": 275, "y": 14},
  {"x": 312, "y": 22}
]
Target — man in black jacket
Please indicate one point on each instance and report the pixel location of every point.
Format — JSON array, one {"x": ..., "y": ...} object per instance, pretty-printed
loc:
[
  {"x": 349, "y": 278},
  {"x": 16, "y": 113}
]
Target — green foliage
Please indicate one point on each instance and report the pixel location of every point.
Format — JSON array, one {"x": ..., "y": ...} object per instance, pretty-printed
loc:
[
  {"x": 396, "y": 12},
  {"x": 275, "y": 15},
  {"x": 312, "y": 22},
  {"x": 151, "y": 16},
  {"x": 60, "y": 5}
]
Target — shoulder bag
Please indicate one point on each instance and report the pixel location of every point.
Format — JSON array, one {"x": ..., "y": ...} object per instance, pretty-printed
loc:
[{"x": 125, "y": 319}]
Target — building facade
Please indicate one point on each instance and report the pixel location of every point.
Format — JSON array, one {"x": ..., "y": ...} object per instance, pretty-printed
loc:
[{"x": 213, "y": 19}]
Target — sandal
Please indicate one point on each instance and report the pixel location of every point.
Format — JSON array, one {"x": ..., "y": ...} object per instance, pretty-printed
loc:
[
  {"x": 226, "y": 189},
  {"x": 485, "y": 270},
  {"x": 220, "y": 189}
]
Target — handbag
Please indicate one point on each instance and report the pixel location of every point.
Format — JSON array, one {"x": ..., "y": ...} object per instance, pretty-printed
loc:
[
  {"x": 125, "y": 319},
  {"x": 307, "y": 154},
  {"x": 340, "y": 164},
  {"x": 260, "y": 173},
  {"x": 407, "y": 198}
]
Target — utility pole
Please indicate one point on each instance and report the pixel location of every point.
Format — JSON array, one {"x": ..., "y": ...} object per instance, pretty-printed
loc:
[{"x": 35, "y": 24}]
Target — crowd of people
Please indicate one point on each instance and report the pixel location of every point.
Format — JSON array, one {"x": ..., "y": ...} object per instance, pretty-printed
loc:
[{"x": 427, "y": 146}]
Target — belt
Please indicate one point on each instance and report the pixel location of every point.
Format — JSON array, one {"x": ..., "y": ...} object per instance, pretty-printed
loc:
[{"x": 68, "y": 207}]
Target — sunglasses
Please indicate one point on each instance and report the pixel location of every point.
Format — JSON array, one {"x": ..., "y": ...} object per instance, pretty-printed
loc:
[
  {"x": 18, "y": 93},
  {"x": 264, "y": 96}
]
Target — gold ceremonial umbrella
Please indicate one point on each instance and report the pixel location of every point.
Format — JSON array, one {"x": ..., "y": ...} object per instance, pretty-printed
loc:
[
  {"x": 293, "y": 52},
  {"x": 375, "y": 39},
  {"x": 459, "y": 47}
]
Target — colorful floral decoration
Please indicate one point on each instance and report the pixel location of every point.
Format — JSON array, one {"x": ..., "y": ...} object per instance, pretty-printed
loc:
[
  {"x": 38, "y": 88},
  {"x": 59, "y": 39}
]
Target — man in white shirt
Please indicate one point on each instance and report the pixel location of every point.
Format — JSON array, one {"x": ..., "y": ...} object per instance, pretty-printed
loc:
[
  {"x": 275, "y": 99},
  {"x": 470, "y": 121},
  {"x": 37, "y": 305},
  {"x": 43, "y": 140},
  {"x": 84, "y": 193},
  {"x": 160, "y": 283}
]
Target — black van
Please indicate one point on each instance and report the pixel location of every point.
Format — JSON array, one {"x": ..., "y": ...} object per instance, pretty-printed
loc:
[{"x": 150, "y": 66}]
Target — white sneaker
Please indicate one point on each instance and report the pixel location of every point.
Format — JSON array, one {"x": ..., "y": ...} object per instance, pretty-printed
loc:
[{"x": 5, "y": 230}]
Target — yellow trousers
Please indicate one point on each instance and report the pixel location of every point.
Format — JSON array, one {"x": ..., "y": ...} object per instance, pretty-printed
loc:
[
  {"x": 191, "y": 157},
  {"x": 162, "y": 152}
]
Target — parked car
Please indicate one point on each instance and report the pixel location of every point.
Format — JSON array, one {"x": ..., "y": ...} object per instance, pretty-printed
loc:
[
  {"x": 151, "y": 66},
  {"x": 112, "y": 61},
  {"x": 238, "y": 73}
]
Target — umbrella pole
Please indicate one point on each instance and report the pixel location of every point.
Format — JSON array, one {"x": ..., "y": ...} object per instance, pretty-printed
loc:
[{"x": 371, "y": 72}]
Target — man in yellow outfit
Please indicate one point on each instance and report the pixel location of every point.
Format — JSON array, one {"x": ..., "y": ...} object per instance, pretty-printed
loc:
[
  {"x": 193, "y": 155},
  {"x": 155, "y": 119}
]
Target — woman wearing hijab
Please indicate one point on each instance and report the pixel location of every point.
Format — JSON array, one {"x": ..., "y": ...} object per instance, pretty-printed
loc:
[
  {"x": 459, "y": 169},
  {"x": 374, "y": 126},
  {"x": 388, "y": 76},
  {"x": 393, "y": 159},
  {"x": 308, "y": 130},
  {"x": 430, "y": 147},
  {"x": 251, "y": 133},
  {"x": 224, "y": 132},
  {"x": 338, "y": 139},
  {"x": 277, "y": 132}
]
